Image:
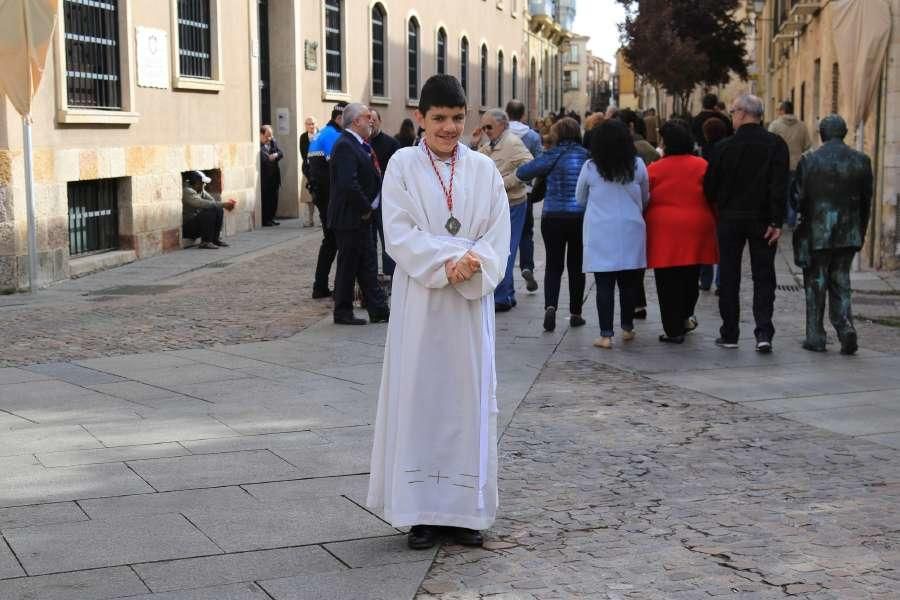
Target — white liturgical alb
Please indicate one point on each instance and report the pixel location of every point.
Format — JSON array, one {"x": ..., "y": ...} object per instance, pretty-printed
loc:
[{"x": 434, "y": 460}]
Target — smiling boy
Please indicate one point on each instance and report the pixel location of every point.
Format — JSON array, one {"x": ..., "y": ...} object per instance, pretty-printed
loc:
[{"x": 446, "y": 224}]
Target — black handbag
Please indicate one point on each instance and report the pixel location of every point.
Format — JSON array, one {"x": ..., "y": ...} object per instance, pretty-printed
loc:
[{"x": 539, "y": 187}]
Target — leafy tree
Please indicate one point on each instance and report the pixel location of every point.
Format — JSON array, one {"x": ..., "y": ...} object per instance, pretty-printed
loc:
[{"x": 680, "y": 44}]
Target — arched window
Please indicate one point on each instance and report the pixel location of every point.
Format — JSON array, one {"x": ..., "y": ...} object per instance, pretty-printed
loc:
[
  {"x": 546, "y": 77},
  {"x": 441, "y": 51},
  {"x": 412, "y": 58},
  {"x": 379, "y": 40},
  {"x": 334, "y": 67},
  {"x": 515, "y": 77},
  {"x": 464, "y": 64},
  {"x": 500, "y": 78},
  {"x": 484, "y": 74}
]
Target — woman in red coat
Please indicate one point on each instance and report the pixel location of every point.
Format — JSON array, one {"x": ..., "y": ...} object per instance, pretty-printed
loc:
[{"x": 681, "y": 230}]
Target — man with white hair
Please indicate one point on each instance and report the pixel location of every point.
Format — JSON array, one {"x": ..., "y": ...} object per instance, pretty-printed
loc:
[
  {"x": 355, "y": 193},
  {"x": 203, "y": 215},
  {"x": 747, "y": 181},
  {"x": 509, "y": 153}
]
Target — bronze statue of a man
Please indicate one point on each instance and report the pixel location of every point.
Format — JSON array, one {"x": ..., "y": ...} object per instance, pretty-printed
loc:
[{"x": 833, "y": 194}]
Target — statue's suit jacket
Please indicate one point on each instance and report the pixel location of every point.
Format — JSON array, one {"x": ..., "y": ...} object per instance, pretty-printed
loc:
[{"x": 833, "y": 193}]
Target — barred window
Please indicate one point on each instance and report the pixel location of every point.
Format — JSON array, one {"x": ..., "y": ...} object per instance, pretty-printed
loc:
[
  {"x": 484, "y": 74},
  {"x": 412, "y": 58},
  {"x": 441, "y": 51},
  {"x": 334, "y": 68},
  {"x": 378, "y": 45},
  {"x": 835, "y": 87},
  {"x": 93, "y": 216},
  {"x": 464, "y": 64},
  {"x": 194, "y": 39},
  {"x": 515, "y": 77},
  {"x": 500, "y": 78},
  {"x": 93, "y": 76}
]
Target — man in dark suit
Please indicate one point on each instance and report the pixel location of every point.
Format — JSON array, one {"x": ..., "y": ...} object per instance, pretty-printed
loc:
[
  {"x": 833, "y": 193},
  {"x": 270, "y": 174},
  {"x": 709, "y": 112},
  {"x": 355, "y": 194}
]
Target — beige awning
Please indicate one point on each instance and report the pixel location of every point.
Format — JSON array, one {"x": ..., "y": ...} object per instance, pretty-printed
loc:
[
  {"x": 26, "y": 28},
  {"x": 862, "y": 30}
]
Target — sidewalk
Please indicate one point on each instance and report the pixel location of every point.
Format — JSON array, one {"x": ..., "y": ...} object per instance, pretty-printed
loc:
[{"x": 237, "y": 471}]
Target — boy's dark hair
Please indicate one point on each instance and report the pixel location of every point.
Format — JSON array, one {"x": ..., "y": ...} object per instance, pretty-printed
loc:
[
  {"x": 442, "y": 90},
  {"x": 710, "y": 101},
  {"x": 677, "y": 137},
  {"x": 338, "y": 110},
  {"x": 515, "y": 110},
  {"x": 788, "y": 107}
]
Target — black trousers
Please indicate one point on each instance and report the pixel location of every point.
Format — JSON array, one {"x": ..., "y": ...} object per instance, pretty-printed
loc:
[
  {"x": 829, "y": 274},
  {"x": 640, "y": 300},
  {"x": 206, "y": 225},
  {"x": 562, "y": 241},
  {"x": 356, "y": 261},
  {"x": 387, "y": 263},
  {"x": 628, "y": 282},
  {"x": 526, "y": 244},
  {"x": 327, "y": 250},
  {"x": 269, "y": 200},
  {"x": 733, "y": 236},
  {"x": 678, "y": 291}
]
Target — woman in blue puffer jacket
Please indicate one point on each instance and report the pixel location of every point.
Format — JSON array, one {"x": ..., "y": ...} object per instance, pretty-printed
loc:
[{"x": 562, "y": 218}]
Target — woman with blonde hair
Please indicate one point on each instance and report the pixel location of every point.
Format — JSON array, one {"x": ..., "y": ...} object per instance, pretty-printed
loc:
[{"x": 305, "y": 196}]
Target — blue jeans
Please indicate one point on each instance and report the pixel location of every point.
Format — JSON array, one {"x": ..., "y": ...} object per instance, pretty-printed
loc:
[
  {"x": 526, "y": 245},
  {"x": 506, "y": 292},
  {"x": 790, "y": 214}
]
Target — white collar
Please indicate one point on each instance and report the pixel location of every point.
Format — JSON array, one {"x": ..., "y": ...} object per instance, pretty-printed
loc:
[{"x": 358, "y": 137}]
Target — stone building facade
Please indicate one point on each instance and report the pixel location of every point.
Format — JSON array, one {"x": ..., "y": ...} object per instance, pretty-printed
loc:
[
  {"x": 126, "y": 106},
  {"x": 798, "y": 61},
  {"x": 136, "y": 93}
]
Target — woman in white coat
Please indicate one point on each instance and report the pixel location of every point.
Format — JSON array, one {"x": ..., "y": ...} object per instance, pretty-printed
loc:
[{"x": 615, "y": 189}]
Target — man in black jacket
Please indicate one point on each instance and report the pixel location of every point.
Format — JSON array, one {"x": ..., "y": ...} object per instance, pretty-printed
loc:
[
  {"x": 355, "y": 194},
  {"x": 384, "y": 146},
  {"x": 270, "y": 174},
  {"x": 746, "y": 180}
]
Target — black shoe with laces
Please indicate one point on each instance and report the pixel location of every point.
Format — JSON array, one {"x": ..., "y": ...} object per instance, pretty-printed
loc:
[
  {"x": 576, "y": 321},
  {"x": 723, "y": 343},
  {"x": 530, "y": 283},
  {"x": 322, "y": 294},
  {"x": 467, "y": 537},
  {"x": 422, "y": 537},
  {"x": 550, "y": 319}
]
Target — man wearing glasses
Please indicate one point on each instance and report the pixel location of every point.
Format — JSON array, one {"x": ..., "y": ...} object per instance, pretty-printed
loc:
[{"x": 746, "y": 180}]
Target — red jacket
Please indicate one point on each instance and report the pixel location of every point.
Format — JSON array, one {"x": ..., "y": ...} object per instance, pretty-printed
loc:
[{"x": 681, "y": 224}]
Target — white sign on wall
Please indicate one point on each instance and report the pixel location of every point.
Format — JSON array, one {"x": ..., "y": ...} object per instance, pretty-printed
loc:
[{"x": 152, "y": 58}]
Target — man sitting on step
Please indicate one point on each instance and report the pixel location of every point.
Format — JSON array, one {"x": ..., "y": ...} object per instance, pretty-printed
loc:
[{"x": 202, "y": 215}]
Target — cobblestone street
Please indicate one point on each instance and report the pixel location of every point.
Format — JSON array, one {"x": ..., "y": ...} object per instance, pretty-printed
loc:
[{"x": 193, "y": 427}]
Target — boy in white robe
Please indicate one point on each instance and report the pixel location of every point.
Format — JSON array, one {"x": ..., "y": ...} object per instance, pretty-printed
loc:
[{"x": 446, "y": 224}]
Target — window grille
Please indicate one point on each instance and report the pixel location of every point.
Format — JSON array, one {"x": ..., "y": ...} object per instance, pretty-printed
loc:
[
  {"x": 484, "y": 74},
  {"x": 93, "y": 216},
  {"x": 464, "y": 64},
  {"x": 378, "y": 45},
  {"x": 515, "y": 77},
  {"x": 441, "y": 51},
  {"x": 835, "y": 87},
  {"x": 194, "y": 39},
  {"x": 413, "y": 59},
  {"x": 93, "y": 78},
  {"x": 334, "y": 68}
]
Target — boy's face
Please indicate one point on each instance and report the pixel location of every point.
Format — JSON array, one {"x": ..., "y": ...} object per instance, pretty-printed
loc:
[{"x": 443, "y": 127}]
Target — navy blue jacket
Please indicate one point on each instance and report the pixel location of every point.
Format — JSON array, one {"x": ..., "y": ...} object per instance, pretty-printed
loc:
[
  {"x": 568, "y": 157},
  {"x": 354, "y": 184}
]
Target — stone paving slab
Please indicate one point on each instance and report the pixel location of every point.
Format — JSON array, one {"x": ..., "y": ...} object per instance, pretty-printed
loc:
[
  {"x": 158, "y": 430},
  {"x": 93, "y": 544},
  {"x": 32, "y": 438},
  {"x": 856, "y": 420},
  {"x": 236, "y": 568},
  {"x": 132, "y": 390},
  {"x": 202, "y": 500},
  {"x": 262, "y": 420},
  {"x": 97, "y": 584},
  {"x": 283, "y": 492},
  {"x": 72, "y": 373},
  {"x": 9, "y": 566},
  {"x": 294, "y": 439},
  {"x": 213, "y": 470},
  {"x": 38, "y": 485},
  {"x": 40, "y": 514},
  {"x": 333, "y": 460},
  {"x": 373, "y": 552},
  {"x": 10, "y": 375},
  {"x": 389, "y": 582},
  {"x": 111, "y": 455},
  {"x": 54, "y": 401},
  {"x": 240, "y": 591},
  {"x": 312, "y": 521}
]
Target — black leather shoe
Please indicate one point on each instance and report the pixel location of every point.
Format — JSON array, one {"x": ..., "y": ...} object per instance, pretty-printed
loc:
[
  {"x": 849, "y": 344},
  {"x": 276, "y": 223},
  {"x": 498, "y": 307},
  {"x": 467, "y": 537},
  {"x": 422, "y": 537},
  {"x": 576, "y": 321},
  {"x": 380, "y": 318},
  {"x": 321, "y": 294},
  {"x": 221, "y": 244},
  {"x": 269, "y": 224},
  {"x": 813, "y": 347},
  {"x": 676, "y": 339},
  {"x": 530, "y": 283},
  {"x": 349, "y": 321},
  {"x": 550, "y": 319}
]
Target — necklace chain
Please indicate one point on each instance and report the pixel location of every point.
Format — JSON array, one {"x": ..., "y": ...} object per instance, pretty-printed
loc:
[{"x": 448, "y": 193}]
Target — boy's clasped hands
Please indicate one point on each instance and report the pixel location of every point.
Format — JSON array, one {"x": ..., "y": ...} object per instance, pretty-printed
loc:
[{"x": 463, "y": 269}]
